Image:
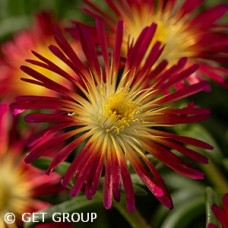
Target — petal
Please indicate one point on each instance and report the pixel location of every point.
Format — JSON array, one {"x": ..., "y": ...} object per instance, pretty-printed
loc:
[
  {"x": 185, "y": 92},
  {"x": 171, "y": 160},
  {"x": 108, "y": 184},
  {"x": 206, "y": 19},
  {"x": 78, "y": 162},
  {"x": 127, "y": 183},
  {"x": 189, "y": 6},
  {"x": 82, "y": 173},
  {"x": 65, "y": 152},
  {"x": 152, "y": 179},
  {"x": 3, "y": 128}
]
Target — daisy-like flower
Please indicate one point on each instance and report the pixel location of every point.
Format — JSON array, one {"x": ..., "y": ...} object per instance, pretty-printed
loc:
[
  {"x": 114, "y": 116},
  {"x": 14, "y": 51},
  {"x": 221, "y": 213},
  {"x": 20, "y": 183},
  {"x": 183, "y": 30}
]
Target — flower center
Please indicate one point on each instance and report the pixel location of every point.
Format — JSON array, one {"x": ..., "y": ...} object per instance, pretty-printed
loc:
[
  {"x": 41, "y": 48},
  {"x": 14, "y": 190},
  {"x": 4, "y": 194},
  {"x": 171, "y": 32},
  {"x": 119, "y": 112}
]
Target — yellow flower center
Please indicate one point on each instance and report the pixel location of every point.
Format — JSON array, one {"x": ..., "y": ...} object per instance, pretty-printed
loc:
[
  {"x": 41, "y": 48},
  {"x": 171, "y": 32},
  {"x": 15, "y": 188},
  {"x": 119, "y": 112}
]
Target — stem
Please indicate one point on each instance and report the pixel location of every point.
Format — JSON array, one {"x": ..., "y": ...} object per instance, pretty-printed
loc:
[
  {"x": 135, "y": 219},
  {"x": 216, "y": 177}
]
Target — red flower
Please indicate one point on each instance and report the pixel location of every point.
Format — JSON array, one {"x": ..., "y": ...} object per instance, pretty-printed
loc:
[
  {"x": 185, "y": 34},
  {"x": 113, "y": 116},
  {"x": 221, "y": 213},
  {"x": 21, "y": 184},
  {"x": 14, "y": 52}
]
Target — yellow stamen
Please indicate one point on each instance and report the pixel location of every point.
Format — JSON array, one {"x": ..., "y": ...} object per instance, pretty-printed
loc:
[{"x": 119, "y": 112}]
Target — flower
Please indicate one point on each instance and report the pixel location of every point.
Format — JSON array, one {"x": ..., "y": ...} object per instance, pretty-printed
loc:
[
  {"x": 13, "y": 53},
  {"x": 180, "y": 27},
  {"x": 20, "y": 183},
  {"x": 221, "y": 213},
  {"x": 114, "y": 116}
]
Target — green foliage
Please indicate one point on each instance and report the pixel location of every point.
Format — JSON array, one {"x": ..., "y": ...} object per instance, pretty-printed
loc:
[{"x": 77, "y": 204}]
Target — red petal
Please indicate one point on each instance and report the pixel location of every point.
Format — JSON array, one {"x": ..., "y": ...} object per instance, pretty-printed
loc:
[
  {"x": 128, "y": 186},
  {"x": 108, "y": 192},
  {"x": 206, "y": 19},
  {"x": 189, "y": 6}
]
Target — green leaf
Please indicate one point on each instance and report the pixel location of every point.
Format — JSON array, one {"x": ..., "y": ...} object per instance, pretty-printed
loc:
[
  {"x": 44, "y": 162},
  {"x": 225, "y": 163},
  {"x": 137, "y": 183},
  {"x": 199, "y": 132},
  {"x": 211, "y": 198},
  {"x": 181, "y": 198},
  {"x": 10, "y": 25},
  {"x": 15, "y": 7},
  {"x": 177, "y": 182},
  {"x": 183, "y": 215},
  {"x": 78, "y": 203}
]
